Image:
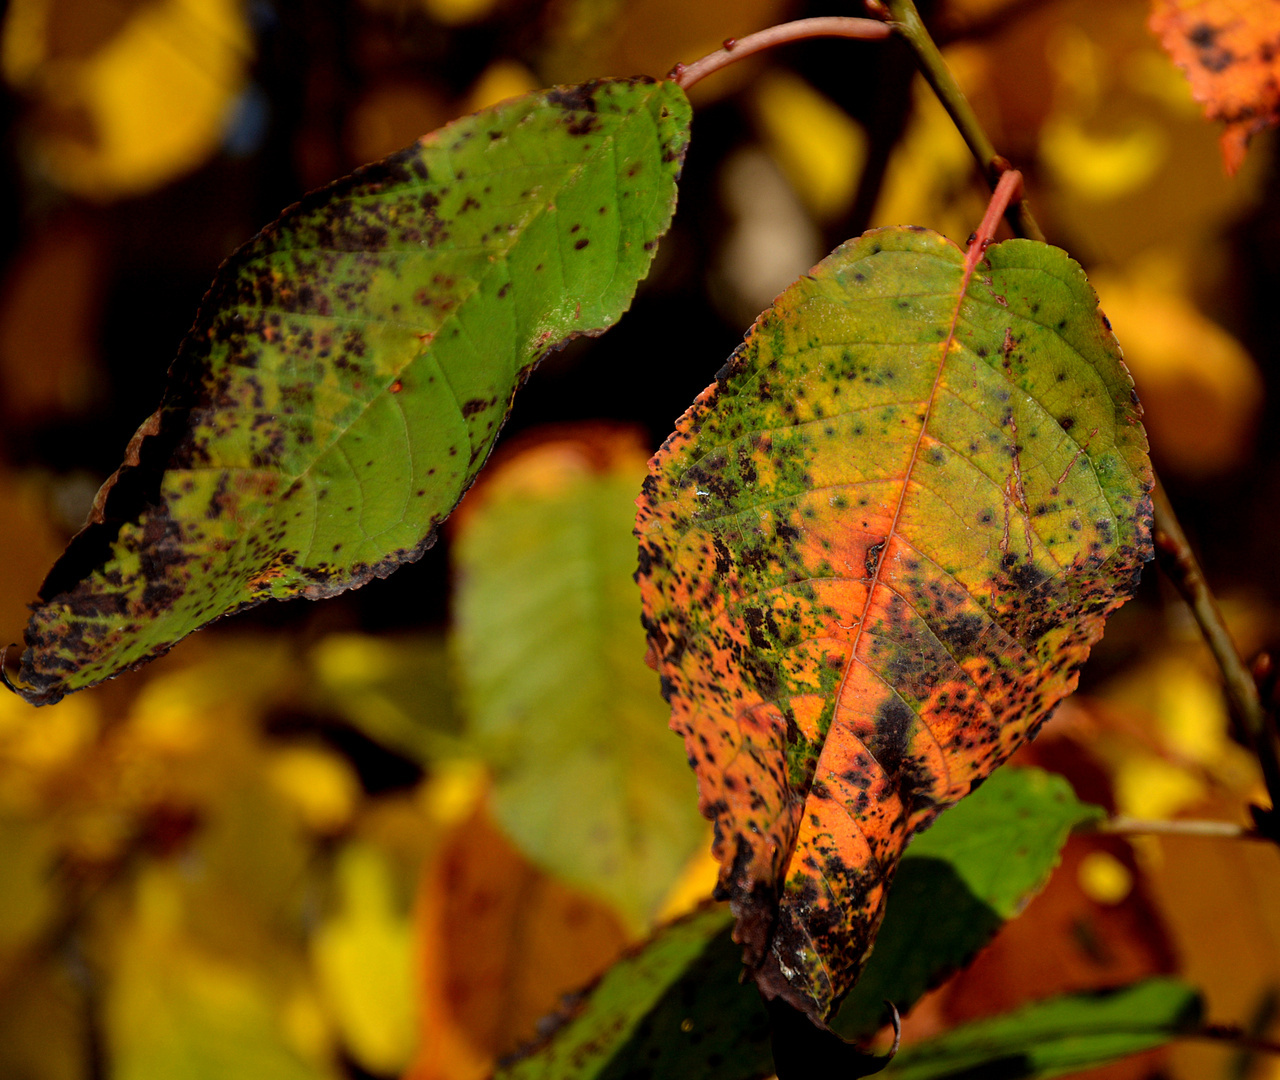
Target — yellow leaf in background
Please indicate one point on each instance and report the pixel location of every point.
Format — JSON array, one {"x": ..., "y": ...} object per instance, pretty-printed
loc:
[
  {"x": 453, "y": 791},
  {"x": 931, "y": 180},
  {"x": 397, "y": 690},
  {"x": 819, "y": 147},
  {"x": 1200, "y": 390},
  {"x": 445, "y": 12},
  {"x": 696, "y": 883},
  {"x": 38, "y": 742},
  {"x": 1150, "y": 787},
  {"x": 1091, "y": 164},
  {"x": 363, "y": 960},
  {"x": 320, "y": 785},
  {"x": 174, "y": 1010},
  {"x": 458, "y": 12},
  {"x": 500, "y": 80},
  {"x": 147, "y": 106},
  {"x": 353, "y": 659},
  {"x": 27, "y": 892},
  {"x": 1098, "y": 166},
  {"x": 1104, "y": 878}
]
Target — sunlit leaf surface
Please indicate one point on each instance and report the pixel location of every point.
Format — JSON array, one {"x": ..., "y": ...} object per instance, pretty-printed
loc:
[
  {"x": 873, "y": 556},
  {"x": 351, "y": 366}
]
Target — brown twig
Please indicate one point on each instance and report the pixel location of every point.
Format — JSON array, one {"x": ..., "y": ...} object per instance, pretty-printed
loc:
[
  {"x": 907, "y": 22},
  {"x": 1175, "y": 557},
  {"x": 735, "y": 49},
  {"x": 1121, "y": 825},
  {"x": 1237, "y": 1036}
]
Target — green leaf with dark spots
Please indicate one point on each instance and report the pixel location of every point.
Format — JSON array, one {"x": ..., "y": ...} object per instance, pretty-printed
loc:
[
  {"x": 587, "y": 779},
  {"x": 351, "y": 365},
  {"x": 958, "y": 883},
  {"x": 1061, "y": 1035},
  {"x": 674, "y": 1008}
]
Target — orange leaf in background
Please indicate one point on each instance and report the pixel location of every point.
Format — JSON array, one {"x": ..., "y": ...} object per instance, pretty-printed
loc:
[
  {"x": 1230, "y": 50},
  {"x": 500, "y": 942}
]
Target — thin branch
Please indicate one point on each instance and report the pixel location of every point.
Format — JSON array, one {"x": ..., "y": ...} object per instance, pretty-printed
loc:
[
  {"x": 735, "y": 49},
  {"x": 907, "y": 22},
  {"x": 1179, "y": 563},
  {"x": 1237, "y": 1036},
  {"x": 1121, "y": 825}
]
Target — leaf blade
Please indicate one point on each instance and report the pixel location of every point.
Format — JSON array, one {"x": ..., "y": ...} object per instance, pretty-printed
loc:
[
  {"x": 1061, "y": 1035},
  {"x": 935, "y": 505},
  {"x": 550, "y": 659},
  {"x": 350, "y": 368}
]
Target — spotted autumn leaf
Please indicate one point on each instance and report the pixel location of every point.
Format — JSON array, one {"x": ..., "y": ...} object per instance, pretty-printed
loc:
[
  {"x": 1230, "y": 51},
  {"x": 873, "y": 555},
  {"x": 351, "y": 365}
]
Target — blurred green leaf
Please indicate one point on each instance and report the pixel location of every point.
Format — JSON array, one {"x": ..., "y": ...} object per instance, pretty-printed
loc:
[{"x": 588, "y": 780}]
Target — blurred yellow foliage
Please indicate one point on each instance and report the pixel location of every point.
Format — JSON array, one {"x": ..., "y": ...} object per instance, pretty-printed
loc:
[
  {"x": 1200, "y": 390},
  {"x": 931, "y": 180},
  {"x": 318, "y": 783},
  {"x": 364, "y": 963},
  {"x": 500, "y": 80},
  {"x": 444, "y": 12},
  {"x": 176, "y": 1009},
  {"x": 1104, "y": 878},
  {"x": 818, "y": 146},
  {"x": 693, "y": 887},
  {"x": 1098, "y": 166},
  {"x": 150, "y": 103}
]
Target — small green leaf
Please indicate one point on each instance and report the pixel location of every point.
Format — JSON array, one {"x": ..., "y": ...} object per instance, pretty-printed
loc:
[
  {"x": 1061, "y": 1035},
  {"x": 957, "y": 885},
  {"x": 674, "y": 1008},
  {"x": 587, "y": 779},
  {"x": 349, "y": 370}
]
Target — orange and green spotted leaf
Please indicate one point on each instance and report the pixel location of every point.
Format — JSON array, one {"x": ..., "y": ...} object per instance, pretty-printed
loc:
[
  {"x": 349, "y": 370},
  {"x": 1230, "y": 51},
  {"x": 873, "y": 555}
]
